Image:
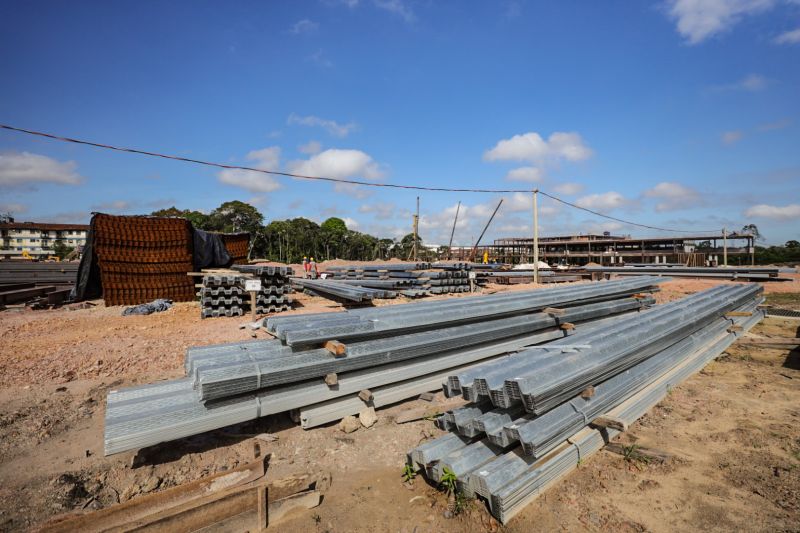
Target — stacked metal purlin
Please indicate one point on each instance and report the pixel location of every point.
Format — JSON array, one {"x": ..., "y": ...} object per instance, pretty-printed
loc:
[
  {"x": 528, "y": 421},
  {"x": 410, "y": 279},
  {"x": 341, "y": 290},
  {"x": 226, "y": 295},
  {"x": 732, "y": 273},
  {"x": 143, "y": 258},
  {"x": 238, "y": 246},
  {"x": 394, "y": 351}
]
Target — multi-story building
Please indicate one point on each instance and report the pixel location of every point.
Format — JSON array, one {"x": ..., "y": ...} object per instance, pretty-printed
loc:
[
  {"x": 692, "y": 250},
  {"x": 38, "y": 239}
]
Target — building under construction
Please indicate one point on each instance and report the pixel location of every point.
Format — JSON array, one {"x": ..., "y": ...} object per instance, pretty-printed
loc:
[{"x": 606, "y": 249}]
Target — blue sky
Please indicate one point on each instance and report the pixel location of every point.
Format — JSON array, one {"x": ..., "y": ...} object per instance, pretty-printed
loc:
[{"x": 680, "y": 114}]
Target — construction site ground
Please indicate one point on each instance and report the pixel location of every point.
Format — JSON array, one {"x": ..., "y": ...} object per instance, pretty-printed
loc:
[{"x": 733, "y": 431}]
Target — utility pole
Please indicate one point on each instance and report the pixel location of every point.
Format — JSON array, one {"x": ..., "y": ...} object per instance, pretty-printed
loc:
[
  {"x": 535, "y": 236},
  {"x": 450, "y": 246},
  {"x": 416, "y": 228},
  {"x": 725, "y": 246}
]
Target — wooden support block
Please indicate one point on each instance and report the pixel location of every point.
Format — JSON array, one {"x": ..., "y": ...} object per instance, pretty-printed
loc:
[
  {"x": 587, "y": 393},
  {"x": 554, "y": 311},
  {"x": 365, "y": 395},
  {"x": 738, "y": 313},
  {"x": 734, "y": 328},
  {"x": 611, "y": 422},
  {"x": 788, "y": 342},
  {"x": 427, "y": 396},
  {"x": 303, "y": 500},
  {"x": 567, "y": 326},
  {"x": 638, "y": 453},
  {"x": 338, "y": 349},
  {"x": 331, "y": 379}
]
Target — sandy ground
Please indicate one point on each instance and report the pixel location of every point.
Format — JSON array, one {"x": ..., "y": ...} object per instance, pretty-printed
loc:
[{"x": 733, "y": 430}]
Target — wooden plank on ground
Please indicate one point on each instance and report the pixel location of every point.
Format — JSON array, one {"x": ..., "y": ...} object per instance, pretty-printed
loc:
[
  {"x": 638, "y": 453},
  {"x": 611, "y": 422},
  {"x": 778, "y": 341}
]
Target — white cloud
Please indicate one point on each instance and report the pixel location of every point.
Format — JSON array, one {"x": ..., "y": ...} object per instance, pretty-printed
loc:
[
  {"x": 26, "y": 170},
  {"x": 773, "y": 211},
  {"x": 341, "y": 164},
  {"x": 697, "y": 20},
  {"x": 338, "y": 163},
  {"x": 788, "y": 37},
  {"x": 568, "y": 188},
  {"x": 351, "y": 223},
  {"x": 777, "y": 125},
  {"x": 731, "y": 137},
  {"x": 750, "y": 83},
  {"x": 673, "y": 196},
  {"x": 311, "y": 147},
  {"x": 115, "y": 205},
  {"x": 331, "y": 126},
  {"x": 530, "y": 174},
  {"x": 397, "y": 7},
  {"x": 320, "y": 59},
  {"x": 533, "y": 148},
  {"x": 384, "y": 210},
  {"x": 255, "y": 182},
  {"x": 303, "y": 26},
  {"x": 606, "y": 201},
  {"x": 13, "y": 208}
]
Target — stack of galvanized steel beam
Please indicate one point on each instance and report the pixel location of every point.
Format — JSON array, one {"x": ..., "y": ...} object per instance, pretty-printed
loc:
[
  {"x": 394, "y": 351},
  {"x": 410, "y": 279},
  {"x": 143, "y": 258},
  {"x": 15, "y": 272},
  {"x": 528, "y": 423},
  {"x": 226, "y": 294},
  {"x": 732, "y": 273},
  {"x": 342, "y": 290}
]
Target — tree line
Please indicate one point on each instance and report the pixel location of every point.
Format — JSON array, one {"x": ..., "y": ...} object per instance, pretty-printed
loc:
[{"x": 290, "y": 240}]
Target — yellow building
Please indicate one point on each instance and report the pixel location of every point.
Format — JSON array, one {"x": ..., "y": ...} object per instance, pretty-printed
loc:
[{"x": 38, "y": 239}]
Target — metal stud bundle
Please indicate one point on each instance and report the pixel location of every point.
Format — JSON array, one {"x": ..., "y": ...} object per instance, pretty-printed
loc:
[
  {"x": 527, "y": 425},
  {"x": 411, "y": 279},
  {"x": 394, "y": 351},
  {"x": 226, "y": 294},
  {"x": 143, "y": 258}
]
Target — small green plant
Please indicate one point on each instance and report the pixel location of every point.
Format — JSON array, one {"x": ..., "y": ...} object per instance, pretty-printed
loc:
[
  {"x": 631, "y": 455},
  {"x": 449, "y": 481},
  {"x": 316, "y": 518},
  {"x": 408, "y": 473}
]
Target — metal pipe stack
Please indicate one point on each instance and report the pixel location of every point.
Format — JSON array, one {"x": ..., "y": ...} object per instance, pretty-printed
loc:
[
  {"x": 529, "y": 421},
  {"x": 402, "y": 348}
]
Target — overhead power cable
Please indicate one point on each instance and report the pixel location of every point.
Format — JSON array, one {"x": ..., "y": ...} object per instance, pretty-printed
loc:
[{"x": 335, "y": 180}]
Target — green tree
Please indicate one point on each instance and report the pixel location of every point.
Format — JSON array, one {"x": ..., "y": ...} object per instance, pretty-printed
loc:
[
  {"x": 792, "y": 244},
  {"x": 199, "y": 220},
  {"x": 752, "y": 229},
  {"x": 61, "y": 250},
  {"x": 234, "y": 217}
]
